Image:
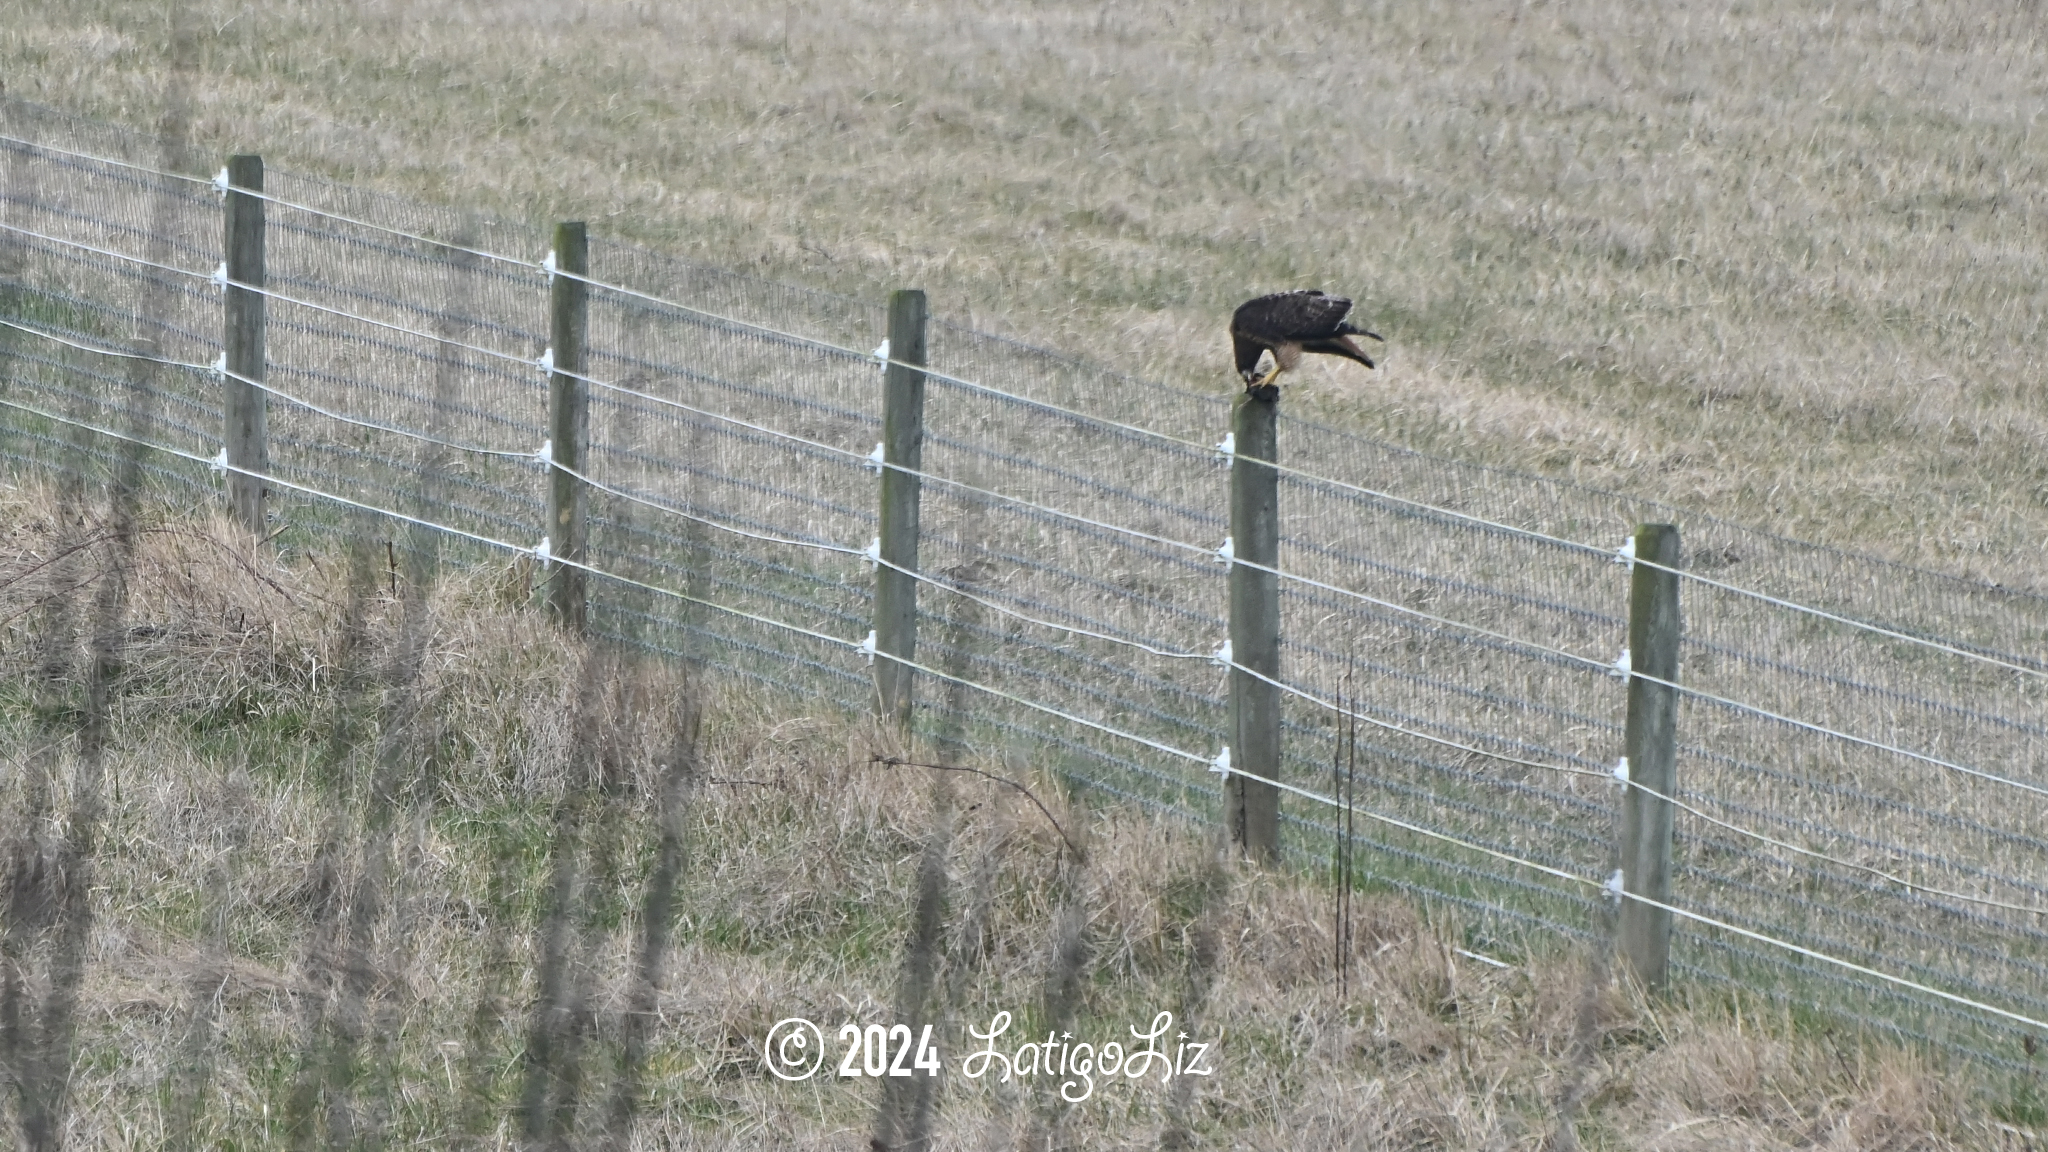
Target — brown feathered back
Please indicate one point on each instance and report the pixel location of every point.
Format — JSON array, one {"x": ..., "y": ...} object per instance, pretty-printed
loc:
[
  {"x": 1290, "y": 323},
  {"x": 1293, "y": 317}
]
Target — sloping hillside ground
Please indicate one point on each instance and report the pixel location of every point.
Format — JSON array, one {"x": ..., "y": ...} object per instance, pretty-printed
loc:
[
  {"x": 1779, "y": 262},
  {"x": 338, "y": 810}
]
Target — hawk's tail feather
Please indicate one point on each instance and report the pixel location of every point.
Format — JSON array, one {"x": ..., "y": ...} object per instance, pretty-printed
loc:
[{"x": 1339, "y": 346}]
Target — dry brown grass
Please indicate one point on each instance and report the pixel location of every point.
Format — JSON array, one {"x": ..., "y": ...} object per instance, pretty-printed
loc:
[
  {"x": 236, "y": 942},
  {"x": 1778, "y": 261}
]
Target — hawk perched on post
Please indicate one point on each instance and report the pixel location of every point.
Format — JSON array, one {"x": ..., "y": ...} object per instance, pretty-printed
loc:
[{"x": 1290, "y": 323}]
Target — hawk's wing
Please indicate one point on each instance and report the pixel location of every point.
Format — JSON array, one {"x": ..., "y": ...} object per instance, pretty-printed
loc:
[{"x": 1290, "y": 317}]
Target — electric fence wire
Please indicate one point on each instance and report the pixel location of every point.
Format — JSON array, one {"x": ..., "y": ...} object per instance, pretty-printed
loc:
[
  {"x": 1614, "y": 887},
  {"x": 220, "y": 185},
  {"x": 547, "y": 267},
  {"x": 1626, "y": 553},
  {"x": 874, "y": 558},
  {"x": 846, "y": 550},
  {"x": 1220, "y": 658},
  {"x": 872, "y": 555},
  {"x": 1188, "y": 548}
]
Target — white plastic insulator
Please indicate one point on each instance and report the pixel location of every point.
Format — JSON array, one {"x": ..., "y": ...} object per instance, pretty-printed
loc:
[
  {"x": 1221, "y": 764},
  {"x": 1222, "y": 655},
  {"x": 220, "y": 275},
  {"x": 867, "y": 646},
  {"x": 548, "y": 265},
  {"x": 875, "y": 459},
  {"x": 546, "y": 361},
  {"x": 1620, "y": 669},
  {"x": 546, "y": 455},
  {"x": 1627, "y": 554},
  {"x": 1621, "y": 770},
  {"x": 220, "y": 182},
  {"x": 542, "y": 552},
  {"x": 220, "y": 462},
  {"x": 881, "y": 352},
  {"x": 1613, "y": 887},
  {"x": 1227, "y": 447},
  {"x": 873, "y": 552},
  {"x": 1228, "y": 552},
  {"x": 220, "y": 364}
]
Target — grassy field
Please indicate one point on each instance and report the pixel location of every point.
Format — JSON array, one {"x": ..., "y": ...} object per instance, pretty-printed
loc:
[
  {"x": 377, "y": 862},
  {"x": 1777, "y": 261},
  {"x": 380, "y": 862}
]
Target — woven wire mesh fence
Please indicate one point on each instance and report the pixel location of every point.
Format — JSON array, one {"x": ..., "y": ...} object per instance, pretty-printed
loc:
[{"x": 1862, "y": 833}]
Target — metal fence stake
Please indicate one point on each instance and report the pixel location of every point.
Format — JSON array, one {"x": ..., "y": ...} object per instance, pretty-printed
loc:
[
  {"x": 1252, "y": 807},
  {"x": 902, "y": 445},
  {"x": 245, "y": 433},
  {"x": 568, "y": 424},
  {"x": 1651, "y": 742}
]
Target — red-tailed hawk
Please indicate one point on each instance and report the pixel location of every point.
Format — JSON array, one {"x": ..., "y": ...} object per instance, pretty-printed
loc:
[{"x": 1290, "y": 323}]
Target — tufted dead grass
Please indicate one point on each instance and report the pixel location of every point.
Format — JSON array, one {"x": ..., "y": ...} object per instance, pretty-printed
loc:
[{"x": 303, "y": 937}]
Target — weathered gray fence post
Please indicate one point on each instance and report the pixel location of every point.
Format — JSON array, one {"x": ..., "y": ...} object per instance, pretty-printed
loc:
[
  {"x": 245, "y": 433},
  {"x": 1252, "y": 807},
  {"x": 903, "y": 446},
  {"x": 1651, "y": 743},
  {"x": 568, "y": 424}
]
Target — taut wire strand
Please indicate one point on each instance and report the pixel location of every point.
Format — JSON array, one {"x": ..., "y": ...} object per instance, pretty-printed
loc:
[
  {"x": 1610, "y": 887},
  {"x": 933, "y": 373}
]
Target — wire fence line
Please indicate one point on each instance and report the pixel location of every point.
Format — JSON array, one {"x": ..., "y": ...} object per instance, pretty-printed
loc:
[
  {"x": 1833, "y": 949},
  {"x": 546, "y": 267},
  {"x": 1071, "y": 519}
]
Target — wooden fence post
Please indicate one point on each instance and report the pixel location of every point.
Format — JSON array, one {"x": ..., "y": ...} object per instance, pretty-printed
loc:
[
  {"x": 902, "y": 445},
  {"x": 1651, "y": 742},
  {"x": 245, "y": 436},
  {"x": 568, "y": 424},
  {"x": 1252, "y": 807}
]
